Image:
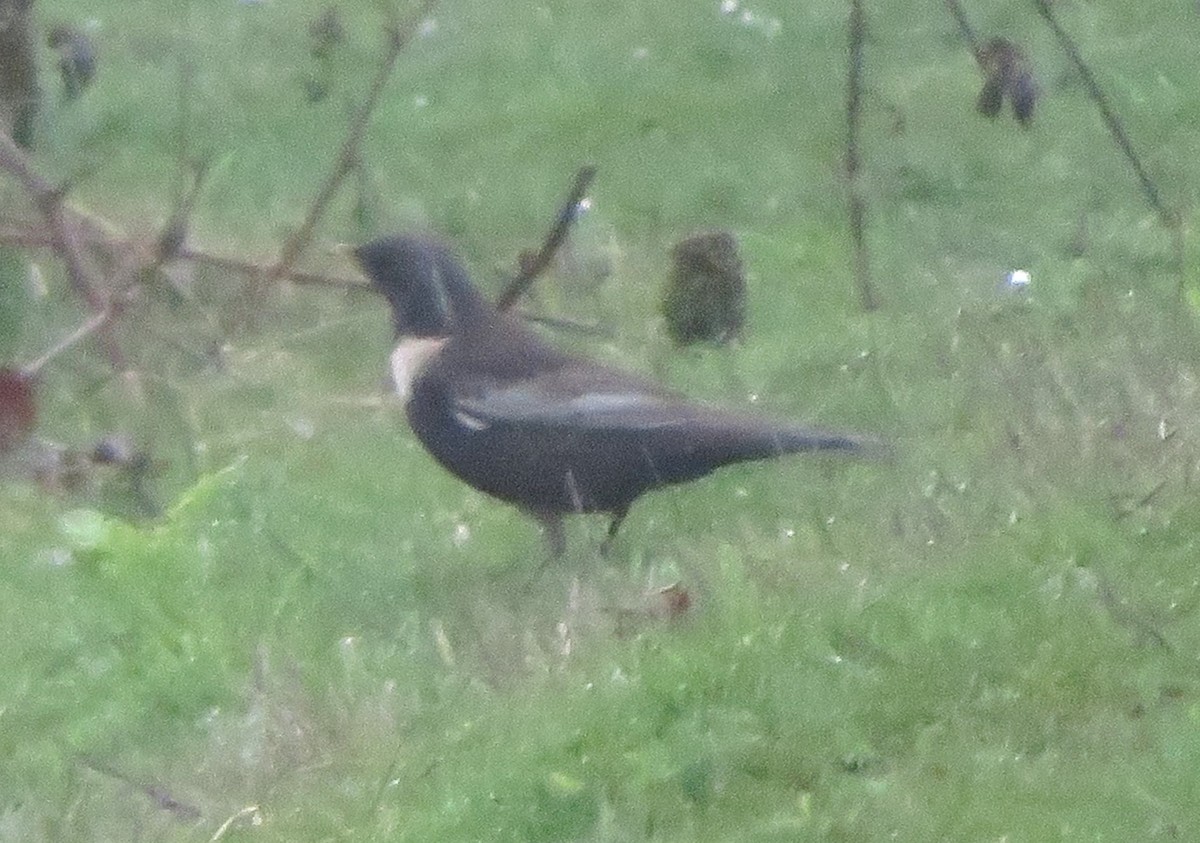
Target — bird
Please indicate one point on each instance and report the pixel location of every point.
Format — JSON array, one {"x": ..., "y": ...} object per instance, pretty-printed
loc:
[
  {"x": 705, "y": 296},
  {"x": 551, "y": 432}
]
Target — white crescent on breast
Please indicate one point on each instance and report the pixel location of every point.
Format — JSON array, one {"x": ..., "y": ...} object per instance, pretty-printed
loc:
[{"x": 409, "y": 359}]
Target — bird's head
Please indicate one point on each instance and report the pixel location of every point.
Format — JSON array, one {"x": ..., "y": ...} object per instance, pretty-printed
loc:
[{"x": 427, "y": 288}]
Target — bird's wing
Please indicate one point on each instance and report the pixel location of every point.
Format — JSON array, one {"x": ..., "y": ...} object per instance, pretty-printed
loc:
[
  {"x": 579, "y": 398},
  {"x": 576, "y": 394},
  {"x": 596, "y": 409}
]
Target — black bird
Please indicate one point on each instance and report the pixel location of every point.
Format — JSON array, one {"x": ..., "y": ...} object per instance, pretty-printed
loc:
[{"x": 550, "y": 432}]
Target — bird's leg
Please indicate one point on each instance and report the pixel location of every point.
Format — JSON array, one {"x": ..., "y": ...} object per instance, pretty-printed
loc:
[
  {"x": 613, "y": 527},
  {"x": 552, "y": 529}
]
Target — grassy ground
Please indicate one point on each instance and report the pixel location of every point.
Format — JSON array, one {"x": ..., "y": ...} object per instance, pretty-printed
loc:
[{"x": 995, "y": 636}]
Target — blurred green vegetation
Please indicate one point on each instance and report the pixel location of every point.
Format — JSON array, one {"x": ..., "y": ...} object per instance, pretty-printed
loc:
[{"x": 992, "y": 636}]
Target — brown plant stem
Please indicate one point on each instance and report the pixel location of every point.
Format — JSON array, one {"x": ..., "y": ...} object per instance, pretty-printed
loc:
[
  {"x": 84, "y": 275},
  {"x": 32, "y": 235},
  {"x": 858, "y": 205},
  {"x": 1115, "y": 128},
  {"x": 399, "y": 34},
  {"x": 554, "y": 238}
]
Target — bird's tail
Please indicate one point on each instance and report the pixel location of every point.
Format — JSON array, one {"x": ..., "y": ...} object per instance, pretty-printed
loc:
[
  {"x": 738, "y": 439},
  {"x": 792, "y": 440},
  {"x": 716, "y": 439}
]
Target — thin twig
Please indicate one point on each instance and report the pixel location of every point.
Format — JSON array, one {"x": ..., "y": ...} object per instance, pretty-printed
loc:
[
  {"x": 858, "y": 210},
  {"x": 158, "y": 795},
  {"x": 348, "y": 156},
  {"x": 1170, "y": 220},
  {"x": 964, "y": 27},
  {"x": 33, "y": 235},
  {"x": 48, "y": 199},
  {"x": 84, "y": 275},
  {"x": 174, "y": 233},
  {"x": 557, "y": 234},
  {"x": 89, "y": 327},
  {"x": 253, "y": 268},
  {"x": 1110, "y": 117}
]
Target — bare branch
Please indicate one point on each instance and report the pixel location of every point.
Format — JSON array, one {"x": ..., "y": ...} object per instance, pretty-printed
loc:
[
  {"x": 858, "y": 209},
  {"x": 84, "y": 275},
  {"x": 32, "y": 235},
  {"x": 174, "y": 233},
  {"x": 965, "y": 28},
  {"x": 160, "y": 796},
  {"x": 1115, "y": 128},
  {"x": 48, "y": 199},
  {"x": 557, "y": 234},
  {"x": 398, "y": 37},
  {"x": 93, "y": 324}
]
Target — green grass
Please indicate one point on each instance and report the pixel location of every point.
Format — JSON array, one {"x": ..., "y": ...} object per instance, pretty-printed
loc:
[{"x": 992, "y": 636}]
